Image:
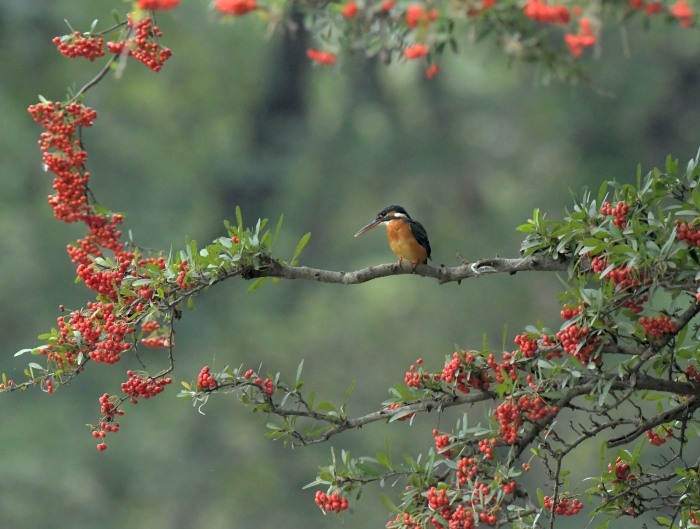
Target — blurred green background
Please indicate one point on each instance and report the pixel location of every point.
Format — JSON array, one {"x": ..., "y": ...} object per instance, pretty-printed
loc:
[{"x": 240, "y": 118}]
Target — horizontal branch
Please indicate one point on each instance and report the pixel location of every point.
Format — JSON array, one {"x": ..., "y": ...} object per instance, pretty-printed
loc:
[
  {"x": 436, "y": 403},
  {"x": 443, "y": 274},
  {"x": 686, "y": 408}
]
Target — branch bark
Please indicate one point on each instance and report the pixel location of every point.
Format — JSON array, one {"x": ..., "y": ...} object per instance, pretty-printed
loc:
[{"x": 443, "y": 274}]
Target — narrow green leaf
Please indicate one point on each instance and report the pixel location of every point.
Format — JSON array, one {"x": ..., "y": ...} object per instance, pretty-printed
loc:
[
  {"x": 388, "y": 503},
  {"x": 239, "y": 217},
  {"x": 300, "y": 246},
  {"x": 349, "y": 391},
  {"x": 695, "y": 195},
  {"x": 257, "y": 284},
  {"x": 299, "y": 368},
  {"x": 526, "y": 228},
  {"x": 540, "y": 497},
  {"x": 278, "y": 229}
]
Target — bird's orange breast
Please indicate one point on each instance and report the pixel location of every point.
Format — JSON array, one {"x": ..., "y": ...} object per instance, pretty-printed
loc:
[{"x": 404, "y": 244}]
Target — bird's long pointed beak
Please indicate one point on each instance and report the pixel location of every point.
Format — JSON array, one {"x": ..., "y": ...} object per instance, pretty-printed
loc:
[{"x": 369, "y": 226}]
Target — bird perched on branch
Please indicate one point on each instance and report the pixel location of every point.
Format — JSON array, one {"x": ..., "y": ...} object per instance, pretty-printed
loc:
[{"x": 407, "y": 237}]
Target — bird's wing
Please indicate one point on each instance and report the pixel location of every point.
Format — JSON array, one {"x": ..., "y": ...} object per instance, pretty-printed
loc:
[{"x": 420, "y": 234}]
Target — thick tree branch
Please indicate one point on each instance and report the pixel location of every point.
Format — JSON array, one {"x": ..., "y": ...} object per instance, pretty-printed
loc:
[
  {"x": 437, "y": 403},
  {"x": 443, "y": 274},
  {"x": 687, "y": 407}
]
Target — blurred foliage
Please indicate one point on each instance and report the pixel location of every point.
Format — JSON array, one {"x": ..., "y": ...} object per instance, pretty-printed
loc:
[{"x": 237, "y": 117}]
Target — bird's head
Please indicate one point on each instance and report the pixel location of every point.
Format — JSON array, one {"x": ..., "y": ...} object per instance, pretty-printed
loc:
[{"x": 389, "y": 213}]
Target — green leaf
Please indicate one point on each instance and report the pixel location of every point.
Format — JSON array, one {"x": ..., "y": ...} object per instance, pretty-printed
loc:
[
  {"x": 526, "y": 228},
  {"x": 257, "y": 284},
  {"x": 349, "y": 391},
  {"x": 299, "y": 368},
  {"x": 186, "y": 385},
  {"x": 388, "y": 503},
  {"x": 239, "y": 217},
  {"x": 383, "y": 460},
  {"x": 300, "y": 246},
  {"x": 540, "y": 497},
  {"x": 604, "y": 524},
  {"x": 326, "y": 406},
  {"x": 278, "y": 229},
  {"x": 22, "y": 351},
  {"x": 695, "y": 195}
]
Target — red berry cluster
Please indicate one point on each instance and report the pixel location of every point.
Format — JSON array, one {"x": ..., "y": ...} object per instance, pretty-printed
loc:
[
  {"x": 102, "y": 334},
  {"x": 695, "y": 517},
  {"x": 510, "y": 415},
  {"x": 535, "y": 408},
  {"x": 141, "y": 386},
  {"x": 143, "y": 46},
  {"x": 236, "y": 7},
  {"x": 655, "y": 437},
  {"x": 331, "y": 502},
  {"x": 583, "y": 39},
  {"x": 680, "y": 10},
  {"x": 693, "y": 374},
  {"x": 622, "y": 470},
  {"x": 687, "y": 233},
  {"x": 150, "y": 326},
  {"x": 459, "y": 371},
  {"x": 109, "y": 412},
  {"x": 509, "y": 418},
  {"x": 545, "y": 13},
  {"x": 461, "y": 518},
  {"x": 416, "y": 16},
  {"x": 437, "y": 499},
  {"x": 103, "y": 232},
  {"x": 625, "y": 279},
  {"x": 394, "y": 406},
  {"x": 528, "y": 346},
  {"x": 618, "y": 212},
  {"x": 563, "y": 506},
  {"x": 105, "y": 282},
  {"x": 268, "y": 386},
  {"x": 64, "y": 156},
  {"x": 404, "y": 521},
  {"x": 156, "y": 342},
  {"x": 488, "y": 518},
  {"x": 157, "y": 337},
  {"x": 205, "y": 380},
  {"x": 568, "y": 313},
  {"x": 350, "y": 9},
  {"x": 467, "y": 470},
  {"x": 577, "y": 343},
  {"x": 486, "y": 448},
  {"x": 441, "y": 444},
  {"x": 414, "y": 379},
  {"x": 506, "y": 367},
  {"x": 156, "y": 5},
  {"x": 182, "y": 267},
  {"x": 77, "y": 45},
  {"x": 657, "y": 327}
]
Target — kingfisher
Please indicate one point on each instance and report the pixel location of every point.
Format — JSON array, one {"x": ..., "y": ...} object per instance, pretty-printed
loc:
[{"x": 407, "y": 237}]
